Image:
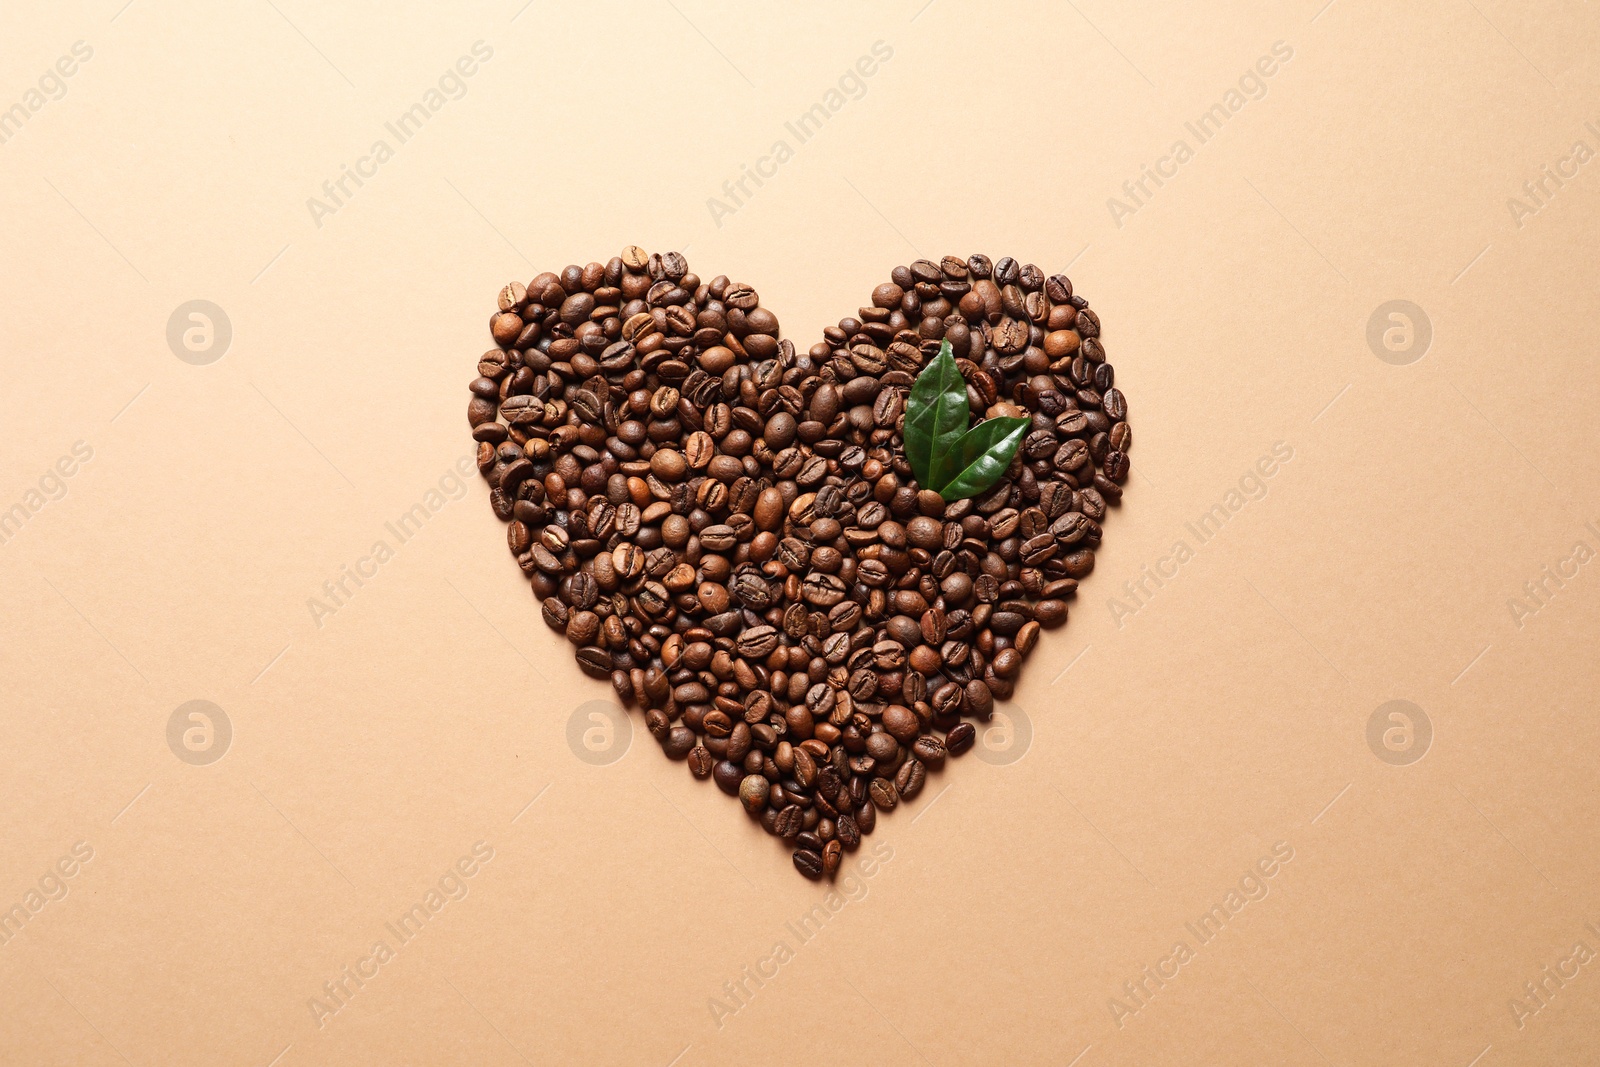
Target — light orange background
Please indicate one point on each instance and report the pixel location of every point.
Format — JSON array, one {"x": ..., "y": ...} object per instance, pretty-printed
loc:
[{"x": 1152, "y": 755}]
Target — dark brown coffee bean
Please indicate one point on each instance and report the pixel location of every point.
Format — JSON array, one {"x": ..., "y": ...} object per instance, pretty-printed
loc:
[
  {"x": 805, "y": 768},
  {"x": 595, "y": 661},
  {"x": 946, "y": 699},
  {"x": 808, "y": 863},
  {"x": 758, "y": 642},
  {"x": 901, "y": 723},
  {"x": 716, "y": 723},
  {"x": 882, "y": 746},
  {"x": 908, "y": 780},
  {"x": 1078, "y": 564},
  {"x": 960, "y": 738},
  {"x": 790, "y": 821},
  {"x": 823, "y": 590},
  {"x": 977, "y": 699},
  {"x": 678, "y": 742},
  {"x": 1116, "y": 466},
  {"x": 728, "y": 774}
]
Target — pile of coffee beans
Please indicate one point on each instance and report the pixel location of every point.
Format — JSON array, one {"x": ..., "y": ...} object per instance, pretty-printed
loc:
[{"x": 727, "y": 529}]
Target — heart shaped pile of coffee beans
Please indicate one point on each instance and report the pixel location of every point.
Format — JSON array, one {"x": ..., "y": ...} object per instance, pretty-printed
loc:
[{"x": 728, "y": 530}]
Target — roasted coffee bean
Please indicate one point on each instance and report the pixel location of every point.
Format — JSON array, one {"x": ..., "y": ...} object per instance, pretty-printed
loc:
[
  {"x": 930, "y": 751},
  {"x": 678, "y": 742},
  {"x": 808, "y": 863},
  {"x": 908, "y": 780},
  {"x": 596, "y": 662},
  {"x": 758, "y": 642},
  {"x": 728, "y": 774},
  {"x": 753, "y": 792},
  {"x": 823, "y": 590},
  {"x": 805, "y": 768},
  {"x": 790, "y": 821},
  {"x": 960, "y": 738}
]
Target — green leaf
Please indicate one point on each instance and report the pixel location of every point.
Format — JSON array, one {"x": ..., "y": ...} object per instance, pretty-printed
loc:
[
  {"x": 983, "y": 454},
  {"x": 936, "y": 416}
]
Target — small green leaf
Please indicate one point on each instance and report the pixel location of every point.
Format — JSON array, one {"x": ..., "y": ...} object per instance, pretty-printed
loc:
[
  {"x": 936, "y": 416},
  {"x": 983, "y": 454}
]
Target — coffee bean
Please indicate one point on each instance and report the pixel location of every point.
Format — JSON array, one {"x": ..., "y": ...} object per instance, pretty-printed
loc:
[
  {"x": 823, "y": 590},
  {"x": 728, "y": 774},
  {"x": 753, "y": 792},
  {"x": 882, "y": 746},
  {"x": 960, "y": 738},
  {"x": 805, "y": 768},
  {"x": 719, "y": 538},
  {"x": 597, "y": 663},
  {"x": 758, "y": 641},
  {"x": 808, "y": 863},
  {"x": 790, "y": 821},
  {"x": 908, "y": 780},
  {"x": 901, "y": 723},
  {"x": 678, "y": 742}
]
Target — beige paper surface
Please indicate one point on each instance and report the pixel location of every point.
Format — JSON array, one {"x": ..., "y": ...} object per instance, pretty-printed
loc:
[{"x": 1343, "y": 254}]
